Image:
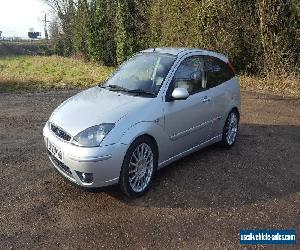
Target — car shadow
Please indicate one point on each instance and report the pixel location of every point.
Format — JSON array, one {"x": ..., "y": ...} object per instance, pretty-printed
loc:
[{"x": 262, "y": 165}]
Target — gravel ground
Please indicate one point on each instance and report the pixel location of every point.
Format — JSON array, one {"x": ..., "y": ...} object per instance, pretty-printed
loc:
[{"x": 201, "y": 201}]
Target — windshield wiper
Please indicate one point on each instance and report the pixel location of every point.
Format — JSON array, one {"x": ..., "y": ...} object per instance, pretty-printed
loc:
[
  {"x": 131, "y": 91},
  {"x": 115, "y": 88},
  {"x": 141, "y": 92}
]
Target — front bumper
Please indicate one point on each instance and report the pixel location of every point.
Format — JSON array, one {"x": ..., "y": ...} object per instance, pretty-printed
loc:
[{"x": 104, "y": 163}]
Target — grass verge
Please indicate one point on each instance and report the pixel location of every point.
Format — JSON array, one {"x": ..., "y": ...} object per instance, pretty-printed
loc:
[
  {"x": 20, "y": 73},
  {"x": 280, "y": 85}
]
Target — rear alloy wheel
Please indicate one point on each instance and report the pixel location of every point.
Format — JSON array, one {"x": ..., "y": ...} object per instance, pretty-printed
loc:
[
  {"x": 139, "y": 166},
  {"x": 230, "y": 129}
]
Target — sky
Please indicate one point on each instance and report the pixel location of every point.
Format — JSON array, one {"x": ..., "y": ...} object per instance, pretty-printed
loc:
[{"x": 18, "y": 16}]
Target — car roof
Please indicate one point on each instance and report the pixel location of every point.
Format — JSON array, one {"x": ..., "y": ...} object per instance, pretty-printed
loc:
[{"x": 179, "y": 52}]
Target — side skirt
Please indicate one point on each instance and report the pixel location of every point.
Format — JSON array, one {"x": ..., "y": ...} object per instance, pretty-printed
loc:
[{"x": 189, "y": 151}]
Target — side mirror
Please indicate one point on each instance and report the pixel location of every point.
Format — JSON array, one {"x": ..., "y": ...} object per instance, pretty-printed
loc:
[{"x": 180, "y": 94}]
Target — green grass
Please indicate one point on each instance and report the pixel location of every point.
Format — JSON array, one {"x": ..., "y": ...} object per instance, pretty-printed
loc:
[{"x": 48, "y": 72}]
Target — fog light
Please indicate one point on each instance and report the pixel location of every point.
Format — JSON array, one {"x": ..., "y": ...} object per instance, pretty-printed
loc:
[{"x": 85, "y": 177}]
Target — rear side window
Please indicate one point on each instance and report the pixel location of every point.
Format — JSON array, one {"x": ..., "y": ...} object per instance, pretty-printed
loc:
[{"x": 216, "y": 71}]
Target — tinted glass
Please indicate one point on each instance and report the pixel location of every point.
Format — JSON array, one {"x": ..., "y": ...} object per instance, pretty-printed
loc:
[
  {"x": 145, "y": 71},
  {"x": 189, "y": 75},
  {"x": 216, "y": 71}
]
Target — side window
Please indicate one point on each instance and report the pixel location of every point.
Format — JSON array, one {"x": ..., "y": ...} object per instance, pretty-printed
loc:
[
  {"x": 216, "y": 71},
  {"x": 189, "y": 75}
]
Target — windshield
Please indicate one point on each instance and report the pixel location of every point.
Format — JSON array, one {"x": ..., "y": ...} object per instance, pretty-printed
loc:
[{"x": 144, "y": 72}]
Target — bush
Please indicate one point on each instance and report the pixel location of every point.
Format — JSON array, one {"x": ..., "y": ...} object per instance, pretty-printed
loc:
[{"x": 261, "y": 37}]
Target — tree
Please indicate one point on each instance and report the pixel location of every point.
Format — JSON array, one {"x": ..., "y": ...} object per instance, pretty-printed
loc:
[{"x": 260, "y": 36}]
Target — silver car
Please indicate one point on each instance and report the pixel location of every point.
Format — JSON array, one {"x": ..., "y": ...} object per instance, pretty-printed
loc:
[{"x": 159, "y": 106}]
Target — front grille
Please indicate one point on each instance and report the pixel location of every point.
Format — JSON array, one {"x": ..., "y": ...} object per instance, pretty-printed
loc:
[
  {"x": 60, "y": 133},
  {"x": 60, "y": 165}
]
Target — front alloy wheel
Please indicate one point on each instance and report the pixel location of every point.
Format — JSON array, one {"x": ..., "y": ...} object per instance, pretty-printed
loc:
[{"x": 138, "y": 168}]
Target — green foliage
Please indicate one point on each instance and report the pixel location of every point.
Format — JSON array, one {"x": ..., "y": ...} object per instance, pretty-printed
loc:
[
  {"x": 260, "y": 36},
  {"x": 101, "y": 29},
  {"x": 121, "y": 34}
]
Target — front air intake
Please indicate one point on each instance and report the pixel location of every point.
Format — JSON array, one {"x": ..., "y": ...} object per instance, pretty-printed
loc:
[{"x": 60, "y": 133}]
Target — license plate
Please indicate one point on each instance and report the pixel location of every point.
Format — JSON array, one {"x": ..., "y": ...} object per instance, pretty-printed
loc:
[{"x": 55, "y": 151}]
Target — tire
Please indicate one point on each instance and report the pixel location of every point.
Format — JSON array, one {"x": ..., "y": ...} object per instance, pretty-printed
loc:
[
  {"x": 139, "y": 167},
  {"x": 230, "y": 129}
]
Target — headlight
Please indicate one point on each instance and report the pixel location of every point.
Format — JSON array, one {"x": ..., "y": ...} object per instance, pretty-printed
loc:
[{"x": 93, "y": 136}]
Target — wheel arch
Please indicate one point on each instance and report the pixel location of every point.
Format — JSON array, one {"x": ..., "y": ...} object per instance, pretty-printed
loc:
[
  {"x": 149, "y": 129},
  {"x": 149, "y": 136},
  {"x": 153, "y": 140},
  {"x": 237, "y": 111}
]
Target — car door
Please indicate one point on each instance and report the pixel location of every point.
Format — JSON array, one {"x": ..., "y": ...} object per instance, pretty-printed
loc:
[
  {"x": 187, "y": 122},
  {"x": 217, "y": 74}
]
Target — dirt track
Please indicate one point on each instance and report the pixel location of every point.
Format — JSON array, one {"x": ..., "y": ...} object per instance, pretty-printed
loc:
[{"x": 202, "y": 201}]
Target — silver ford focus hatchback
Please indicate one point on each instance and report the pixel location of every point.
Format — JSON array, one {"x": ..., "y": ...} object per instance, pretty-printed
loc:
[{"x": 159, "y": 106}]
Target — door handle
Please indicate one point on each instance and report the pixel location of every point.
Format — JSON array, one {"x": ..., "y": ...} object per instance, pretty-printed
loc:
[{"x": 206, "y": 99}]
